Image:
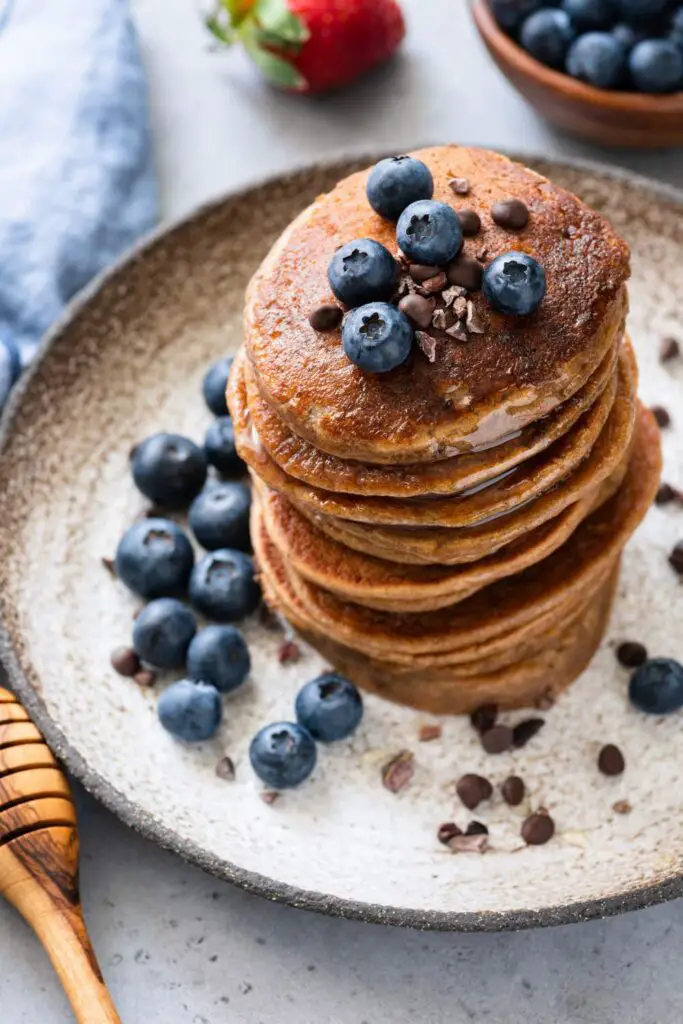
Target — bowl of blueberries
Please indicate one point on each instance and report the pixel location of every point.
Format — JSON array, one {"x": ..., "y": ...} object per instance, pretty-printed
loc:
[{"x": 608, "y": 70}]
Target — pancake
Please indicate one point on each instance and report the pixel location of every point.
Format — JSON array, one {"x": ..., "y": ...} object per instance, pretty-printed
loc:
[{"x": 474, "y": 394}]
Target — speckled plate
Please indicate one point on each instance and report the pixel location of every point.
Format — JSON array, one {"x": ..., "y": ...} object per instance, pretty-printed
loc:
[{"x": 128, "y": 361}]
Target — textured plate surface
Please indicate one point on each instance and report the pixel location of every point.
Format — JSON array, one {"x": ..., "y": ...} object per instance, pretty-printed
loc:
[{"x": 128, "y": 362}]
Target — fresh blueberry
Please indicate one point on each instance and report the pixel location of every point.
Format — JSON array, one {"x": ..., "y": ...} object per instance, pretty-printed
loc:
[
  {"x": 547, "y": 35},
  {"x": 190, "y": 711},
  {"x": 511, "y": 13},
  {"x": 219, "y": 655},
  {"x": 169, "y": 469},
  {"x": 514, "y": 284},
  {"x": 656, "y": 66},
  {"x": 627, "y": 36},
  {"x": 657, "y": 686},
  {"x": 154, "y": 559},
  {"x": 639, "y": 11},
  {"x": 219, "y": 445},
  {"x": 396, "y": 183},
  {"x": 362, "y": 271},
  {"x": 429, "y": 232},
  {"x": 163, "y": 631},
  {"x": 330, "y": 707},
  {"x": 219, "y": 516},
  {"x": 223, "y": 587},
  {"x": 676, "y": 34},
  {"x": 589, "y": 14},
  {"x": 377, "y": 337},
  {"x": 599, "y": 59},
  {"x": 282, "y": 755},
  {"x": 214, "y": 385},
  {"x": 10, "y": 368}
]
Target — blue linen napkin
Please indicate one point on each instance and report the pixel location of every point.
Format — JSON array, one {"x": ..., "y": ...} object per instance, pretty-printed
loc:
[{"x": 77, "y": 178}]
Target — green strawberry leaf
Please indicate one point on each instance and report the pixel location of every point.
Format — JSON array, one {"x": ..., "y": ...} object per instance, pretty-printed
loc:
[
  {"x": 222, "y": 32},
  {"x": 278, "y": 24},
  {"x": 278, "y": 71}
]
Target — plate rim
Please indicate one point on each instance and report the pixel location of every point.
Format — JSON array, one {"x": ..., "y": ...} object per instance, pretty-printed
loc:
[{"x": 143, "y": 822}]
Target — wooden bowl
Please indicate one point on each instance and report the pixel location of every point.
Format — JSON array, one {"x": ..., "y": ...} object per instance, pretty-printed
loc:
[{"x": 600, "y": 115}]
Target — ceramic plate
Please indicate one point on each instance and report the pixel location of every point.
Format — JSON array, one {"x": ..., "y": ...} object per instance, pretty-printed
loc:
[{"x": 128, "y": 361}]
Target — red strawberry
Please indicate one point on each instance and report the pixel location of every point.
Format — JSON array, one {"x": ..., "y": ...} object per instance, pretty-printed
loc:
[{"x": 311, "y": 45}]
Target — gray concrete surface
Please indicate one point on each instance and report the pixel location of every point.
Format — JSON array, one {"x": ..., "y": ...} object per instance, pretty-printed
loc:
[{"x": 176, "y": 946}]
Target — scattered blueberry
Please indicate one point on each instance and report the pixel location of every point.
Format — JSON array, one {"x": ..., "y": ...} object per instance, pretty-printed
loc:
[
  {"x": 429, "y": 232},
  {"x": 190, "y": 711},
  {"x": 10, "y": 368},
  {"x": 219, "y": 516},
  {"x": 599, "y": 59},
  {"x": 514, "y": 284},
  {"x": 511, "y": 13},
  {"x": 588, "y": 14},
  {"x": 219, "y": 655},
  {"x": 330, "y": 707},
  {"x": 657, "y": 686},
  {"x": 362, "y": 271},
  {"x": 397, "y": 182},
  {"x": 169, "y": 469},
  {"x": 214, "y": 384},
  {"x": 154, "y": 559},
  {"x": 219, "y": 445},
  {"x": 656, "y": 65},
  {"x": 163, "y": 631},
  {"x": 547, "y": 35},
  {"x": 223, "y": 587},
  {"x": 639, "y": 11},
  {"x": 282, "y": 755},
  {"x": 377, "y": 337}
]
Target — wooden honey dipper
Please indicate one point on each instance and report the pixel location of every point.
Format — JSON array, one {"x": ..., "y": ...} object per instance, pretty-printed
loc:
[{"x": 39, "y": 860}]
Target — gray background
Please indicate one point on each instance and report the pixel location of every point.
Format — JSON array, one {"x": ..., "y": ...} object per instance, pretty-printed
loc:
[{"x": 176, "y": 946}]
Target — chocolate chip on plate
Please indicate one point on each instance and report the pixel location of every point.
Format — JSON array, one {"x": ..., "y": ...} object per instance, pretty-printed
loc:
[
  {"x": 484, "y": 717},
  {"x": 511, "y": 214},
  {"x": 397, "y": 773},
  {"x": 611, "y": 760},
  {"x": 470, "y": 221},
  {"x": 420, "y": 273},
  {"x": 325, "y": 317},
  {"x": 429, "y": 732},
  {"x": 145, "y": 679},
  {"x": 497, "y": 739},
  {"x": 125, "y": 661},
  {"x": 538, "y": 829},
  {"x": 669, "y": 350},
  {"x": 109, "y": 565},
  {"x": 622, "y": 807},
  {"x": 469, "y": 844},
  {"x": 513, "y": 790},
  {"x": 676, "y": 558},
  {"x": 225, "y": 769},
  {"x": 476, "y": 828},
  {"x": 449, "y": 830},
  {"x": 472, "y": 789},
  {"x": 631, "y": 654},
  {"x": 526, "y": 730},
  {"x": 667, "y": 495},
  {"x": 269, "y": 796},
  {"x": 418, "y": 309},
  {"x": 289, "y": 652},
  {"x": 460, "y": 186},
  {"x": 662, "y": 416},
  {"x": 466, "y": 272}
]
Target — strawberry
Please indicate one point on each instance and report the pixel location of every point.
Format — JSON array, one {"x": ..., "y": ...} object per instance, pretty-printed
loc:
[{"x": 311, "y": 46}]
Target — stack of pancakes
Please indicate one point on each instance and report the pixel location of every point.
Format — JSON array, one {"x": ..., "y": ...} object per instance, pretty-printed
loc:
[{"x": 448, "y": 534}]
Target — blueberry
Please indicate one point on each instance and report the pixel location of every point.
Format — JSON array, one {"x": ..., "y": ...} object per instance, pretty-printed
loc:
[
  {"x": 511, "y": 13},
  {"x": 330, "y": 707},
  {"x": 10, "y": 368},
  {"x": 429, "y": 232},
  {"x": 163, "y": 631},
  {"x": 214, "y": 385},
  {"x": 626, "y": 35},
  {"x": 219, "y": 516},
  {"x": 656, "y": 66},
  {"x": 362, "y": 271},
  {"x": 219, "y": 445},
  {"x": 169, "y": 469},
  {"x": 547, "y": 35},
  {"x": 282, "y": 755},
  {"x": 514, "y": 284},
  {"x": 396, "y": 183},
  {"x": 676, "y": 34},
  {"x": 377, "y": 337},
  {"x": 219, "y": 655},
  {"x": 190, "y": 711},
  {"x": 599, "y": 59},
  {"x": 657, "y": 686},
  {"x": 223, "y": 587},
  {"x": 639, "y": 11},
  {"x": 588, "y": 14},
  {"x": 154, "y": 559}
]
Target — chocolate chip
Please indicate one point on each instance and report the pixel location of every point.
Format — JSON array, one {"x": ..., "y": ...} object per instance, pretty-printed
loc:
[
  {"x": 145, "y": 679},
  {"x": 469, "y": 844},
  {"x": 269, "y": 796},
  {"x": 125, "y": 661},
  {"x": 513, "y": 790},
  {"x": 419, "y": 272},
  {"x": 667, "y": 495},
  {"x": 109, "y": 565},
  {"x": 668, "y": 350},
  {"x": 460, "y": 308},
  {"x": 427, "y": 345},
  {"x": 611, "y": 760},
  {"x": 435, "y": 284},
  {"x": 289, "y": 653},
  {"x": 662, "y": 416},
  {"x": 538, "y": 829},
  {"x": 449, "y": 830},
  {"x": 452, "y": 294},
  {"x": 476, "y": 828},
  {"x": 225, "y": 769},
  {"x": 418, "y": 310},
  {"x": 484, "y": 717},
  {"x": 511, "y": 214},
  {"x": 460, "y": 186},
  {"x": 470, "y": 221},
  {"x": 398, "y": 772},
  {"x": 497, "y": 740},
  {"x": 458, "y": 331},
  {"x": 440, "y": 320},
  {"x": 474, "y": 323},
  {"x": 325, "y": 317},
  {"x": 526, "y": 730},
  {"x": 676, "y": 559},
  {"x": 622, "y": 807},
  {"x": 472, "y": 789},
  {"x": 631, "y": 654},
  {"x": 466, "y": 272},
  {"x": 429, "y": 732}
]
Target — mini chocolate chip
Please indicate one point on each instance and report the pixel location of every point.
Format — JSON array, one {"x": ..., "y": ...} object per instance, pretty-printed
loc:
[
  {"x": 398, "y": 772},
  {"x": 667, "y": 495},
  {"x": 440, "y": 320},
  {"x": 484, "y": 717},
  {"x": 472, "y": 789},
  {"x": 538, "y": 829},
  {"x": 631, "y": 654},
  {"x": 225, "y": 769},
  {"x": 476, "y": 828},
  {"x": 526, "y": 730},
  {"x": 109, "y": 565},
  {"x": 662, "y": 416},
  {"x": 676, "y": 559},
  {"x": 419, "y": 272},
  {"x": 449, "y": 830},
  {"x": 474, "y": 323},
  {"x": 269, "y": 796},
  {"x": 466, "y": 272},
  {"x": 427, "y": 345},
  {"x": 513, "y": 790},
  {"x": 668, "y": 350},
  {"x": 622, "y": 807},
  {"x": 434, "y": 284},
  {"x": 458, "y": 331},
  {"x": 125, "y": 661},
  {"x": 429, "y": 732},
  {"x": 460, "y": 186},
  {"x": 145, "y": 679},
  {"x": 418, "y": 309},
  {"x": 460, "y": 308},
  {"x": 326, "y": 317},
  {"x": 497, "y": 740},
  {"x": 511, "y": 214},
  {"x": 470, "y": 221},
  {"x": 289, "y": 653},
  {"x": 611, "y": 760},
  {"x": 469, "y": 844}
]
